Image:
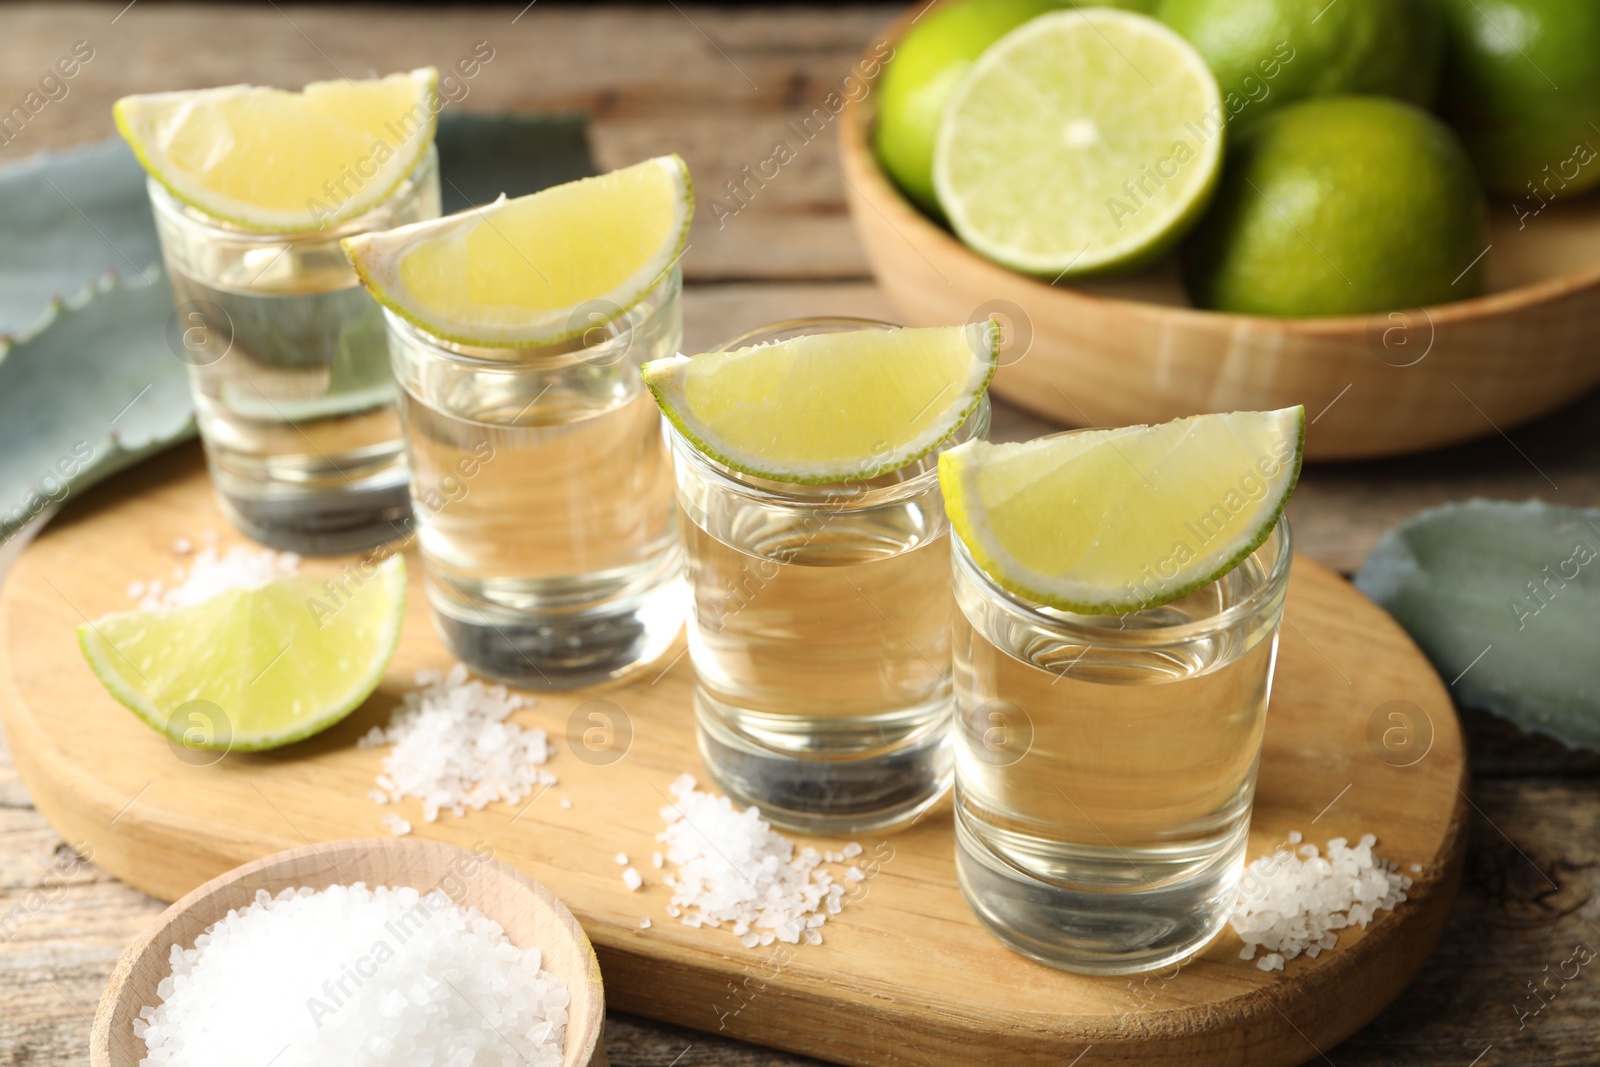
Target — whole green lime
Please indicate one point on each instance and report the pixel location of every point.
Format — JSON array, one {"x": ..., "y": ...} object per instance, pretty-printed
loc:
[
  {"x": 1341, "y": 205},
  {"x": 1522, "y": 85},
  {"x": 1268, "y": 53},
  {"x": 927, "y": 64}
]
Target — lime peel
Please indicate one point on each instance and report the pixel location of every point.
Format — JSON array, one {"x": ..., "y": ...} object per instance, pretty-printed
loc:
[
  {"x": 825, "y": 408},
  {"x": 1105, "y": 522},
  {"x": 538, "y": 269},
  {"x": 281, "y": 661},
  {"x": 338, "y": 130}
]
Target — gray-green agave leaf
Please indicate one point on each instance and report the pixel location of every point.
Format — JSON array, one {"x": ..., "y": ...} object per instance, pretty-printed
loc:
[
  {"x": 94, "y": 388},
  {"x": 1505, "y": 600},
  {"x": 69, "y": 218}
]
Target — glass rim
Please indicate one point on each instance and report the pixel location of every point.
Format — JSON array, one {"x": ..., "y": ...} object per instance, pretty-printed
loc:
[
  {"x": 556, "y": 353},
  {"x": 1091, "y": 629},
  {"x": 169, "y": 206}
]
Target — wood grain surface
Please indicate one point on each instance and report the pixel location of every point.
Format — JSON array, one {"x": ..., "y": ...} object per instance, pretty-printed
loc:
[
  {"x": 164, "y": 825},
  {"x": 657, "y": 78}
]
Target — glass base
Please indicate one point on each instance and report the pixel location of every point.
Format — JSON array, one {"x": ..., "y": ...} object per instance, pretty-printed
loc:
[
  {"x": 566, "y": 650},
  {"x": 321, "y": 522},
  {"x": 1097, "y": 931},
  {"x": 878, "y": 788}
]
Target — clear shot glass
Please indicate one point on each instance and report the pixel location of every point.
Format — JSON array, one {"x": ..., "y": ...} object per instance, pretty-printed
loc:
[
  {"x": 1106, "y": 765},
  {"x": 543, "y": 496},
  {"x": 820, "y": 632},
  {"x": 289, "y": 370}
]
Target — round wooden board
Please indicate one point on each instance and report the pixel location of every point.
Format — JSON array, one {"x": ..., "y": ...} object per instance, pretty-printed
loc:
[{"x": 905, "y": 975}]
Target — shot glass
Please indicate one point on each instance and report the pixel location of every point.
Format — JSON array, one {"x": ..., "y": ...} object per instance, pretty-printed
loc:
[
  {"x": 1106, "y": 765},
  {"x": 543, "y": 498},
  {"x": 289, "y": 370},
  {"x": 820, "y": 632}
]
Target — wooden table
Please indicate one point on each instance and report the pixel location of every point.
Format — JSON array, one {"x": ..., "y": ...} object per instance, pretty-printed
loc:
[{"x": 718, "y": 86}]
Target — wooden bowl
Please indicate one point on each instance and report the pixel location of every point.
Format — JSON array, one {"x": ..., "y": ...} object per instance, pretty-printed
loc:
[
  {"x": 1130, "y": 350},
  {"x": 530, "y": 914}
]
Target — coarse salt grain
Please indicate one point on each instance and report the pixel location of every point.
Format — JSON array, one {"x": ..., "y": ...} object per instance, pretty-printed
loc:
[
  {"x": 396, "y": 825},
  {"x": 644, "y": 923},
  {"x": 454, "y": 749},
  {"x": 566, "y": 805},
  {"x": 210, "y": 573},
  {"x": 733, "y": 870},
  {"x": 621, "y": 858},
  {"x": 632, "y": 879},
  {"x": 1291, "y": 903},
  {"x": 657, "y": 860},
  {"x": 359, "y": 978}
]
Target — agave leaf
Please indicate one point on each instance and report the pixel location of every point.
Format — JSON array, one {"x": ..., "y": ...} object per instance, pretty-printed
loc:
[
  {"x": 94, "y": 388},
  {"x": 1505, "y": 600},
  {"x": 69, "y": 218}
]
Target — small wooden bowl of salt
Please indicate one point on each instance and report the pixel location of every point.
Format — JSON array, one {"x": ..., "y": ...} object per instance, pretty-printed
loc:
[{"x": 313, "y": 964}]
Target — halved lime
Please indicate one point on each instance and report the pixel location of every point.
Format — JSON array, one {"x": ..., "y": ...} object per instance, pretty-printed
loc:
[
  {"x": 538, "y": 269},
  {"x": 283, "y": 162},
  {"x": 1103, "y": 522},
  {"x": 829, "y": 407},
  {"x": 1080, "y": 142},
  {"x": 279, "y": 662}
]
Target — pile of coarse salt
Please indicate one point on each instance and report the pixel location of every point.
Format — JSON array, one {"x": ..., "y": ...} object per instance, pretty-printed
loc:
[
  {"x": 1289, "y": 904},
  {"x": 210, "y": 573},
  {"x": 454, "y": 749},
  {"x": 358, "y": 978},
  {"x": 734, "y": 870}
]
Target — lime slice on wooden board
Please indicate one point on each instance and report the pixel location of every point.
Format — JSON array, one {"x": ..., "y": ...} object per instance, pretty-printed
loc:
[
  {"x": 284, "y": 162},
  {"x": 1082, "y": 141},
  {"x": 829, "y": 407},
  {"x": 1102, "y": 522},
  {"x": 535, "y": 270},
  {"x": 279, "y": 662}
]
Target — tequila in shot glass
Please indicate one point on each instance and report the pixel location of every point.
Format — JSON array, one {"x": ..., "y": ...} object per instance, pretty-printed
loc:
[
  {"x": 287, "y": 355},
  {"x": 820, "y": 631},
  {"x": 543, "y": 496},
  {"x": 1106, "y": 763},
  {"x": 540, "y": 479}
]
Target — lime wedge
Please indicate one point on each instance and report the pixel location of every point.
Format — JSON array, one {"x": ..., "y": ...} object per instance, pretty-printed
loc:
[
  {"x": 1103, "y": 522},
  {"x": 279, "y": 662},
  {"x": 1080, "y": 142},
  {"x": 538, "y": 269},
  {"x": 828, "y": 407},
  {"x": 284, "y": 162}
]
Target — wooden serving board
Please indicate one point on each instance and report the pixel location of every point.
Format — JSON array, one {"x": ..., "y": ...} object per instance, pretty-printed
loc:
[{"x": 905, "y": 976}]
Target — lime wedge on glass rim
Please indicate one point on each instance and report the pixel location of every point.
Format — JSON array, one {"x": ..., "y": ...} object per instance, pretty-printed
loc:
[
  {"x": 538, "y": 269},
  {"x": 276, "y": 161},
  {"x": 831, "y": 407},
  {"x": 279, "y": 661},
  {"x": 1104, "y": 522},
  {"x": 1080, "y": 142}
]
